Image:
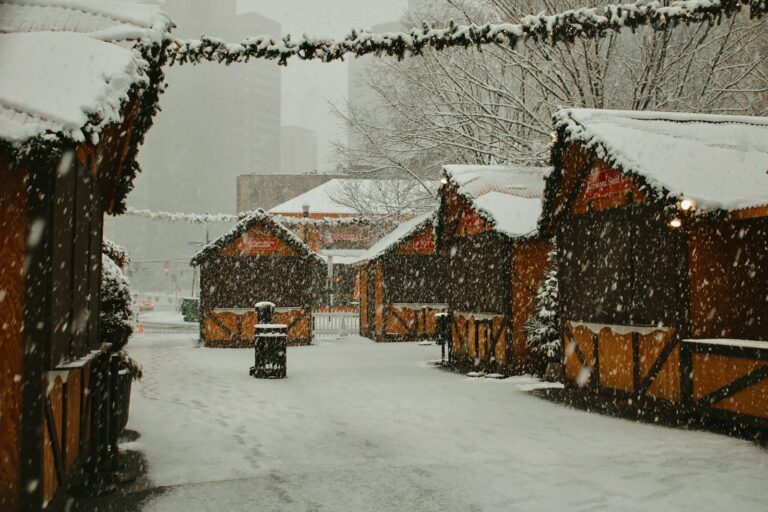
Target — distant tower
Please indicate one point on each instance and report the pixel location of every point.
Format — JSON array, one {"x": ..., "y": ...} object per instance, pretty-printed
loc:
[{"x": 216, "y": 122}]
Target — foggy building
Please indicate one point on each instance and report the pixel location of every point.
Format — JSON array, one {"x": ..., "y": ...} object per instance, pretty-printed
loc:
[
  {"x": 360, "y": 95},
  {"x": 216, "y": 123},
  {"x": 266, "y": 191},
  {"x": 298, "y": 150}
]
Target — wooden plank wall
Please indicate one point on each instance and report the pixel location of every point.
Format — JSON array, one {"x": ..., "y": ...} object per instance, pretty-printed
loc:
[
  {"x": 625, "y": 363},
  {"x": 529, "y": 261},
  {"x": 729, "y": 276},
  {"x": 12, "y": 249}
]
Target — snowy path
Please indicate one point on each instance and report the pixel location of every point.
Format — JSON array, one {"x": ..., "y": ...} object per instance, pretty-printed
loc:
[{"x": 360, "y": 426}]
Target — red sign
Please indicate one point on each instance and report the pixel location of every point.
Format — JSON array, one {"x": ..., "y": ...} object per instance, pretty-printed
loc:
[
  {"x": 258, "y": 244},
  {"x": 470, "y": 219},
  {"x": 425, "y": 243},
  {"x": 348, "y": 237},
  {"x": 606, "y": 183}
]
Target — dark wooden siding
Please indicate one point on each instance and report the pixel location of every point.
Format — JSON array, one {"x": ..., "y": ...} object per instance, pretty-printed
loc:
[
  {"x": 729, "y": 279},
  {"x": 13, "y": 220},
  {"x": 414, "y": 279},
  {"x": 479, "y": 273},
  {"x": 241, "y": 282},
  {"x": 622, "y": 266}
]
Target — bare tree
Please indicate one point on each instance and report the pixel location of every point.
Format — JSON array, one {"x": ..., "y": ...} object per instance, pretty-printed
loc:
[{"x": 495, "y": 105}]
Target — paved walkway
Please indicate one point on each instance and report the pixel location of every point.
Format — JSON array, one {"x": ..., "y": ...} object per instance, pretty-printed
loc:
[{"x": 360, "y": 426}]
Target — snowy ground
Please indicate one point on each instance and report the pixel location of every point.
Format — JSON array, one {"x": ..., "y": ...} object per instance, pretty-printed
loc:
[{"x": 360, "y": 426}]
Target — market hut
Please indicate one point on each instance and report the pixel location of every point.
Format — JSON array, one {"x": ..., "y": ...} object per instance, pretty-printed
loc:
[
  {"x": 661, "y": 222},
  {"x": 73, "y": 112},
  {"x": 487, "y": 232},
  {"x": 400, "y": 284},
  {"x": 258, "y": 260}
]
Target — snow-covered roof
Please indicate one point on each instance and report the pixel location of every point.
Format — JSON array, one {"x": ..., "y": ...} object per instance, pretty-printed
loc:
[
  {"x": 509, "y": 197},
  {"x": 324, "y": 199},
  {"x": 512, "y": 215},
  {"x": 343, "y": 256},
  {"x": 60, "y": 82},
  {"x": 398, "y": 235},
  {"x": 252, "y": 219},
  {"x": 106, "y": 20},
  {"x": 475, "y": 180},
  {"x": 719, "y": 161}
]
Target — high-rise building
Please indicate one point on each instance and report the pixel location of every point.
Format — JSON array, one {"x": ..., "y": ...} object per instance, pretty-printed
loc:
[
  {"x": 359, "y": 94},
  {"x": 216, "y": 122},
  {"x": 298, "y": 150}
]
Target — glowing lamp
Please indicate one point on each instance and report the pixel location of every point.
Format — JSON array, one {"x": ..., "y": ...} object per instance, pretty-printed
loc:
[
  {"x": 675, "y": 223},
  {"x": 687, "y": 205}
]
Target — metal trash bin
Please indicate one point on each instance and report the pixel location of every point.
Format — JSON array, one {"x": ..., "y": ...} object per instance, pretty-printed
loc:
[
  {"x": 443, "y": 328},
  {"x": 270, "y": 352}
]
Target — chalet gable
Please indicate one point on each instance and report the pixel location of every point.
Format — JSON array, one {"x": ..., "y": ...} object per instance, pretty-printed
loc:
[{"x": 256, "y": 235}]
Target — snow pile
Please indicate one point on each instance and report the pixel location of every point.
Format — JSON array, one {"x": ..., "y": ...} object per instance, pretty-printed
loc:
[
  {"x": 105, "y": 20},
  {"x": 63, "y": 82},
  {"x": 508, "y": 197},
  {"x": 400, "y": 234},
  {"x": 721, "y": 162}
]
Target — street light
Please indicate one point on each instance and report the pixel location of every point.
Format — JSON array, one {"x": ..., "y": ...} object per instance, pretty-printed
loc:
[{"x": 305, "y": 211}]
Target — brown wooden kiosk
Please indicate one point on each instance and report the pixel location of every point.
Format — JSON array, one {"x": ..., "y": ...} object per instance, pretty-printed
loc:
[
  {"x": 487, "y": 232},
  {"x": 661, "y": 222},
  {"x": 400, "y": 284},
  {"x": 258, "y": 260},
  {"x": 73, "y": 112}
]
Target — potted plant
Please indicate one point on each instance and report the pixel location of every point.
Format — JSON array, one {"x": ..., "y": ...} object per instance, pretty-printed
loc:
[{"x": 116, "y": 326}]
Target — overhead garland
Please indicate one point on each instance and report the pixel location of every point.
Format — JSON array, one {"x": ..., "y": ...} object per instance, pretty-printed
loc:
[
  {"x": 224, "y": 218},
  {"x": 567, "y": 26}
]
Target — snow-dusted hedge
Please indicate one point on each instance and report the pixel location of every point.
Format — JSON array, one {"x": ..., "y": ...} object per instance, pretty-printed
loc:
[
  {"x": 562, "y": 27},
  {"x": 115, "y": 311}
]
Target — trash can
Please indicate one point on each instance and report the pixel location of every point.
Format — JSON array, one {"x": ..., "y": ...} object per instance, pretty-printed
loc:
[{"x": 270, "y": 347}]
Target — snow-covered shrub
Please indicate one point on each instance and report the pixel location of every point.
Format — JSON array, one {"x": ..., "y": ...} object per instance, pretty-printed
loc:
[
  {"x": 543, "y": 327},
  {"x": 115, "y": 252},
  {"x": 115, "y": 312}
]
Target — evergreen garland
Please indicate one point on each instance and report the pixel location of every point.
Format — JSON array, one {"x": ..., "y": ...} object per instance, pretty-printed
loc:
[
  {"x": 543, "y": 327},
  {"x": 564, "y": 27}
]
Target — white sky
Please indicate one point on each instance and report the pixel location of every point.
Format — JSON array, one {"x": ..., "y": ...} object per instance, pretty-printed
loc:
[{"x": 309, "y": 87}]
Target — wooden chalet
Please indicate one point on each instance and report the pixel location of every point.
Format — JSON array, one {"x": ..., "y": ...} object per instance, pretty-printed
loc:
[
  {"x": 402, "y": 284},
  {"x": 258, "y": 260},
  {"x": 487, "y": 232},
  {"x": 661, "y": 222},
  {"x": 73, "y": 112}
]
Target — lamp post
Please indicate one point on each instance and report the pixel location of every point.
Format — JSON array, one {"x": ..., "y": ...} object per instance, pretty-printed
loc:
[{"x": 305, "y": 212}]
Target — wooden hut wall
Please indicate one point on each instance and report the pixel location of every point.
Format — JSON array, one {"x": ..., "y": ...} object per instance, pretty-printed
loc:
[
  {"x": 52, "y": 215},
  {"x": 239, "y": 276},
  {"x": 632, "y": 288},
  {"x": 411, "y": 279},
  {"x": 623, "y": 266},
  {"x": 529, "y": 261},
  {"x": 729, "y": 279},
  {"x": 12, "y": 249}
]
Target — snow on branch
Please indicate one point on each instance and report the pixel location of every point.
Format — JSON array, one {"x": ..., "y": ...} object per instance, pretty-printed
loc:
[
  {"x": 223, "y": 218},
  {"x": 190, "y": 218},
  {"x": 567, "y": 26}
]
